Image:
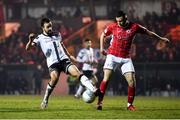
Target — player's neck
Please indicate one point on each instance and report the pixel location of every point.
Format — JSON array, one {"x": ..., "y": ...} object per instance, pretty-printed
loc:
[
  {"x": 125, "y": 25},
  {"x": 87, "y": 48},
  {"x": 44, "y": 33}
]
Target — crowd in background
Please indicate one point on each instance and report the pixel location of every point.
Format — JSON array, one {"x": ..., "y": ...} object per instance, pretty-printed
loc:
[
  {"x": 146, "y": 48},
  {"x": 12, "y": 50}
]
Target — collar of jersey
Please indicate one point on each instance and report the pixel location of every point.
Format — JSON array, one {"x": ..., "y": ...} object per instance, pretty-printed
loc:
[{"x": 46, "y": 35}]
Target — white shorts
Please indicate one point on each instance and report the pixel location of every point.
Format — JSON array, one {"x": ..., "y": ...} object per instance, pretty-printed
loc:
[{"x": 112, "y": 62}]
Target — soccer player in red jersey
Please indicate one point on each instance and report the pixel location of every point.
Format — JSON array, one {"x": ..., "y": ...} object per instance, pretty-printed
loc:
[{"x": 118, "y": 53}]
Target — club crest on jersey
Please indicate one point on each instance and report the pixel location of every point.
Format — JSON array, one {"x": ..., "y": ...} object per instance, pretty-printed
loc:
[{"x": 128, "y": 31}]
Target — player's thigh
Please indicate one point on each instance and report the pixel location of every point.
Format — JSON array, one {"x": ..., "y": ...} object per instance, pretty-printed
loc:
[
  {"x": 109, "y": 66},
  {"x": 127, "y": 66},
  {"x": 54, "y": 75},
  {"x": 73, "y": 71},
  {"x": 109, "y": 63}
]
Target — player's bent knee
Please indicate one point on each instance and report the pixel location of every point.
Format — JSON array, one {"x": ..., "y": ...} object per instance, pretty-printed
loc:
[
  {"x": 54, "y": 78},
  {"x": 131, "y": 83},
  {"x": 75, "y": 74},
  {"x": 129, "y": 76}
]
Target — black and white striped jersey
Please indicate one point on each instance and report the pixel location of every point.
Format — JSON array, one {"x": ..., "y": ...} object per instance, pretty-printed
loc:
[
  {"x": 51, "y": 47},
  {"x": 86, "y": 55}
]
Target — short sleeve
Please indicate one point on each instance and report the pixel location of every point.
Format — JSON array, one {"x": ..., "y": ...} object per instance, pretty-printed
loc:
[
  {"x": 36, "y": 40},
  {"x": 108, "y": 30},
  {"x": 80, "y": 56}
]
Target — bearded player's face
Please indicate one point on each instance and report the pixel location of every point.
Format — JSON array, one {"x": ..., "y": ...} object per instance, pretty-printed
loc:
[
  {"x": 121, "y": 21},
  {"x": 47, "y": 28}
]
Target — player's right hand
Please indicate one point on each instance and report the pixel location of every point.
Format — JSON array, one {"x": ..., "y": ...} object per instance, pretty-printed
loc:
[
  {"x": 32, "y": 36},
  {"x": 103, "y": 52}
]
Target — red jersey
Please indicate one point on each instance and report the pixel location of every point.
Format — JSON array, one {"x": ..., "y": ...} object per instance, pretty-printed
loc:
[{"x": 122, "y": 38}]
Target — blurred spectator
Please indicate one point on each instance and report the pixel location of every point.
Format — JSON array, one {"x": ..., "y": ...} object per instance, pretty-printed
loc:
[
  {"x": 64, "y": 31},
  {"x": 38, "y": 79},
  {"x": 78, "y": 12},
  {"x": 171, "y": 12},
  {"x": 72, "y": 82},
  {"x": 50, "y": 13}
]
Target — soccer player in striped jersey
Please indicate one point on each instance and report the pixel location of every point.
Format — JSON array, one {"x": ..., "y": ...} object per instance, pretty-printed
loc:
[
  {"x": 57, "y": 58},
  {"x": 87, "y": 58}
]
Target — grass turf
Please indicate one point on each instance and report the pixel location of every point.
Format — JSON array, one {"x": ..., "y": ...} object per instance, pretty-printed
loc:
[{"x": 66, "y": 107}]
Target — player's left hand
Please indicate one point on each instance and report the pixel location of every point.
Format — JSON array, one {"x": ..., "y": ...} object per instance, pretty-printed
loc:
[
  {"x": 162, "y": 43},
  {"x": 103, "y": 52},
  {"x": 31, "y": 37},
  {"x": 165, "y": 40}
]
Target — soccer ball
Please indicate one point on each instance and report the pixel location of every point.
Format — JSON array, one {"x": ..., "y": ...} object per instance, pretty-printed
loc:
[{"x": 88, "y": 96}]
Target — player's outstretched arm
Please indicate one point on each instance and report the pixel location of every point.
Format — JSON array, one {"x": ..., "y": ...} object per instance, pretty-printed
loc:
[
  {"x": 68, "y": 54},
  {"x": 156, "y": 36},
  {"x": 30, "y": 42}
]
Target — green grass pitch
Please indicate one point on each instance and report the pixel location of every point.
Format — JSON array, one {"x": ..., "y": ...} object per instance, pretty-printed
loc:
[{"x": 67, "y": 107}]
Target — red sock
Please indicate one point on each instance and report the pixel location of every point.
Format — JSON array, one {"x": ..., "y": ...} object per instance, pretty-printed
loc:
[
  {"x": 103, "y": 86},
  {"x": 131, "y": 94}
]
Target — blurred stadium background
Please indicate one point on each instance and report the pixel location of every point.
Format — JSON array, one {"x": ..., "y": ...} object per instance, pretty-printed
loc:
[{"x": 157, "y": 70}]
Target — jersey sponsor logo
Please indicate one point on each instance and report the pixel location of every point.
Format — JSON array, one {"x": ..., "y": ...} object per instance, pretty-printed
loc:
[
  {"x": 48, "y": 52},
  {"x": 125, "y": 36},
  {"x": 83, "y": 53}
]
